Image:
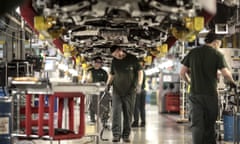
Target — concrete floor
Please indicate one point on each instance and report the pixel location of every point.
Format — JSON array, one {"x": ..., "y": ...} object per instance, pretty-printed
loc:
[{"x": 160, "y": 129}]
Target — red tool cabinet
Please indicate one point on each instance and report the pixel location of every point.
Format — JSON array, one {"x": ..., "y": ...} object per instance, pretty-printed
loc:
[{"x": 172, "y": 102}]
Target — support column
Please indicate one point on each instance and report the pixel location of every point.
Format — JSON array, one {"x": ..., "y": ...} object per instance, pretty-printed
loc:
[
  {"x": 183, "y": 88},
  {"x": 20, "y": 43},
  {"x": 7, "y": 46}
]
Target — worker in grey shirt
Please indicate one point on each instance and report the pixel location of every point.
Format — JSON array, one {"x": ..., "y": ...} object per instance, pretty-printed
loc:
[{"x": 126, "y": 78}]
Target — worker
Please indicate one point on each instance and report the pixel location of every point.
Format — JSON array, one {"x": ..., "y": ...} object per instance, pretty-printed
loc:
[
  {"x": 96, "y": 74},
  {"x": 140, "y": 102},
  {"x": 203, "y": 62},
  {"x": 126, "y": 77}
]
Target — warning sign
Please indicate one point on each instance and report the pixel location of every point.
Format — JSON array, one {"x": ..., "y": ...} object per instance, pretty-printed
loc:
[{"x": 4, "y": 125}]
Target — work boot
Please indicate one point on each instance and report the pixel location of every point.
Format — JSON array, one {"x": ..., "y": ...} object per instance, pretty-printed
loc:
[
  {"x": 142, "y": 124},
  {"x": 135, "y": 124},
  {"x": 126, "y": 140},
  {"x": 116, "y": 139}
]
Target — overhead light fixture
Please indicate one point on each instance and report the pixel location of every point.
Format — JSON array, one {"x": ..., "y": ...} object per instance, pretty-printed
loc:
[
  {"x": 152, "y": 71},
  {"x": 18, "y": 10},
  {"x": 221, "y": 28},
  {"x": 204, "y": 31}
]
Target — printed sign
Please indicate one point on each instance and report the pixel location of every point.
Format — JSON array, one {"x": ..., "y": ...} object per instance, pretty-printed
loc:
[
  {"x": 4, "y": 125},
  {"x": 167, "y": 78}
]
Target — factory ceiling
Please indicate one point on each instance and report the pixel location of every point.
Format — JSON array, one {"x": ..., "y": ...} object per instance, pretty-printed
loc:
[{"x": 89, "y": 27}]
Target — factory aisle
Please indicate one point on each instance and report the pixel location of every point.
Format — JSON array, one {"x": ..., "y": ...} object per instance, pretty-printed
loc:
[{"x": 159, "y": 129}]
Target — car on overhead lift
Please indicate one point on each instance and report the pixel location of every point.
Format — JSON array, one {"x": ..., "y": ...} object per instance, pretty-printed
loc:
[{"x": 141, "y": 24}]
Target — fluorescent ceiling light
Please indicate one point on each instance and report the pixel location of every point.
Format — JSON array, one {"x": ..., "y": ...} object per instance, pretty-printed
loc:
[{"x": 18, "y": 10}]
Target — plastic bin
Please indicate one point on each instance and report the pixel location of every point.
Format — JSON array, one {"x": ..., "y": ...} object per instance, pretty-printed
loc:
[
  {"x": 228, "y": 123},
  {"x": 46, "y": 101},
  {"x": 2, "y": 92},
  {"x": 153, "y": 100},
  {"x": 5, "y": 120}
]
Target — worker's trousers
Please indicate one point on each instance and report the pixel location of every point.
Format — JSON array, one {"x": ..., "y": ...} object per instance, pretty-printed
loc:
[
  {"x": 203, "y": 115},
  {"x": 139, "y": 109},
  {"x": 122, "y": 105}
]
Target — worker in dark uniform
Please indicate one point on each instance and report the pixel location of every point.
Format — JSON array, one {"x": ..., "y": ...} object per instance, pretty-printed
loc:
[
  {"x": 95, "y": 75},
  {"x": 203, "y": 62},
  {"x": 140, "y": 102},
  {"x": 126, "y": 78}
]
